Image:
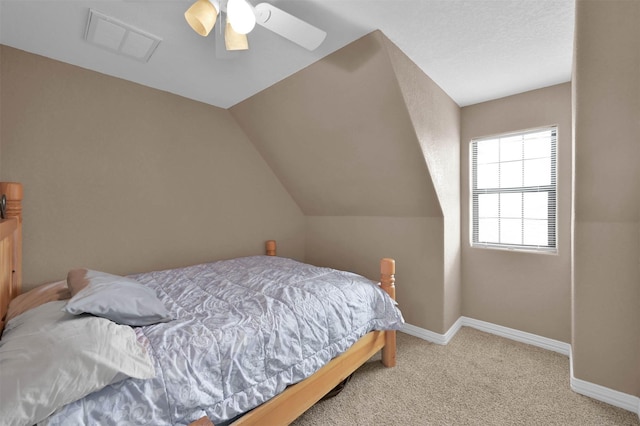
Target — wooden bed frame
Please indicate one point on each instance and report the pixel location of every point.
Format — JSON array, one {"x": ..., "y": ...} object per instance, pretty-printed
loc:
[
  {"x": 281, "y": 409},
  {"x": 10, "y": 247}
]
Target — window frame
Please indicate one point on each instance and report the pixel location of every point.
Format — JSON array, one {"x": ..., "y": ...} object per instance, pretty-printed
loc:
[{"x": 551, "y": 190}]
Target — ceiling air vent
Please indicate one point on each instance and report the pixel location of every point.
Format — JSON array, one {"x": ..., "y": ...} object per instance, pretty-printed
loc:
[{"x": 118, "y": 37}]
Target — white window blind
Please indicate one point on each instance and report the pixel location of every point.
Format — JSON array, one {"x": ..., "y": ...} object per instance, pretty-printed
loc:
[{"x": 513, "y": 190}]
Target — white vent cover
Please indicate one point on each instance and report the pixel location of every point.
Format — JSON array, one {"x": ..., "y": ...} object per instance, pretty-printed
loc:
[{"x": 118, "y": 37}]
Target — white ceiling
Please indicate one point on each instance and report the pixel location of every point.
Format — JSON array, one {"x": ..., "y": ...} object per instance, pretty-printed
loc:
[{"x": 476, "y": 50}]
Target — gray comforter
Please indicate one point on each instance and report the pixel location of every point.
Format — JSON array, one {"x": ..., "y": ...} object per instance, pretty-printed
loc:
[{"x": 246, "y": 328}]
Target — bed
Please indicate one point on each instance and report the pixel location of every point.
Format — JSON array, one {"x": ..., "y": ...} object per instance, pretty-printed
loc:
[{"x": 313, "y": 373}]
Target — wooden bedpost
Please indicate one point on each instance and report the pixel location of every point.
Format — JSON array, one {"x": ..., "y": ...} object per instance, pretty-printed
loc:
[
  {"x": 271, "y": 247},
  {"x": 387, "y": 282},
  {"x": 10, "y": 246},
  {"x": 14, "y": 194}
]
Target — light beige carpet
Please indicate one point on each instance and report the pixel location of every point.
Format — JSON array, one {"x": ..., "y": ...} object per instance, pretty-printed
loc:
[{"x": 477, "y": 379}]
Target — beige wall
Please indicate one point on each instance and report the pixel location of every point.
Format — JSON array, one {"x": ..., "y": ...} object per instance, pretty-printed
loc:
[
  {"x": 124, "y": 178},
  {"x": 526, "y": 291},
  {"x": 340, "y": 136},
  {"x": 436, "y": 121},
  {"x": 606, "y": 279},
  {"x": 357, "y": 243}
]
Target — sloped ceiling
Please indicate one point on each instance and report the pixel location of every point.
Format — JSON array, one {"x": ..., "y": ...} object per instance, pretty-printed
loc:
[
  {"x": 475, "y": 50},
  {"x": 339, "y": 137}
]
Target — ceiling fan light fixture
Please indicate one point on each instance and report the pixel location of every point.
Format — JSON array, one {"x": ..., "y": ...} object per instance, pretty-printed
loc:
[
  {"x": 202, "y": 15},
  {"x": 241, "y": 16},
  {"x": 234, "y": 40}
]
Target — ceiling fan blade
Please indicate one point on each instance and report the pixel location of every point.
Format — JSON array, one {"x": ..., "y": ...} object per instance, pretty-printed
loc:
[{"x": 289, "y": 26}]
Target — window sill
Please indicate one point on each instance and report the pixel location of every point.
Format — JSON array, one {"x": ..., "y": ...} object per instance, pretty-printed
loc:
[{"x": 544, "y": 251}]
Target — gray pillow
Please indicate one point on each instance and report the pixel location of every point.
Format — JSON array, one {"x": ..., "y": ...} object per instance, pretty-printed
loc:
[
  {"x": 120, "y": 299},
  {"x": 49, "y": 358}
]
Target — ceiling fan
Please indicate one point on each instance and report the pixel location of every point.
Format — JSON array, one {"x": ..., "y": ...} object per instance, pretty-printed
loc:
[{"x": 241, "y": 18}]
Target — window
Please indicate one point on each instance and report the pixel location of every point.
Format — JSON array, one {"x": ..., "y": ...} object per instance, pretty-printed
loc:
[{"x": 513, "y": 191}]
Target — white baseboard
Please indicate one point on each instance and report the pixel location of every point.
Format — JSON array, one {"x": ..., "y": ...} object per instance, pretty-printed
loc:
[
  {"x": 424, "y": 334},
  {"x": 509, "y": 333},
  {"x": 604, "y": 394},
  {"x": 430, "y": 336},
  {"x": 518, "y": 336},
  {"x": 600, "y": 393}
]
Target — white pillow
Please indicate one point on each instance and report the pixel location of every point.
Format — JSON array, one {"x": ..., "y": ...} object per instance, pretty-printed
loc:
[
  {"x": 49, "y": 358},
  {"x": 117, "y": 298}
]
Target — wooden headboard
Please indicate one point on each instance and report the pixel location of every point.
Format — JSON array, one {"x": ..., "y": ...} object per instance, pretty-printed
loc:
[{"x": 10, "y": 246}]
